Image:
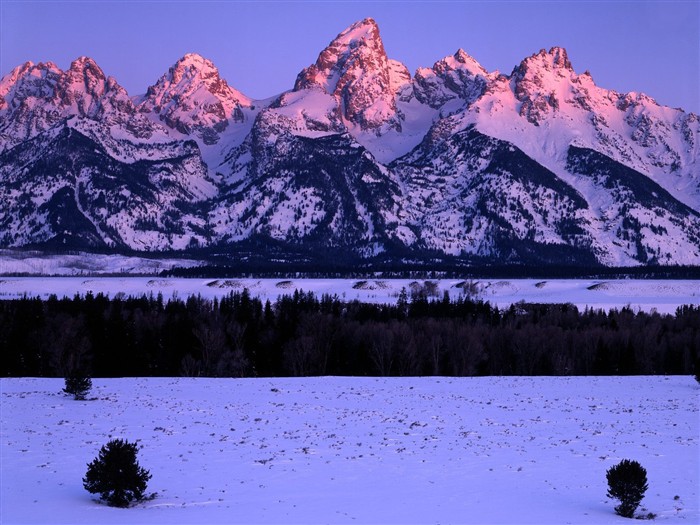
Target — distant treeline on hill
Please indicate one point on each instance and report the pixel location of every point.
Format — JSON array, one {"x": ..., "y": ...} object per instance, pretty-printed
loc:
[
  {"x": 302, "y": 335},
  {"x": 442, "y": 269}
]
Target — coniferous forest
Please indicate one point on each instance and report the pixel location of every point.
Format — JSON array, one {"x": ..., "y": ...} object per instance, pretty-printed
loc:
[{"x": 302, "y": 334}]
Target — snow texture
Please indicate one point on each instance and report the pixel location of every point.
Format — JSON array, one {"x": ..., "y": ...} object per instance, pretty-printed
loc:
[{"x": 355, "y": 450}]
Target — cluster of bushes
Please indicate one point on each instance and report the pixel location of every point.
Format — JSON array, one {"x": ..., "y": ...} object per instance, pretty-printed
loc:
[{"x": 302, "y": 334}]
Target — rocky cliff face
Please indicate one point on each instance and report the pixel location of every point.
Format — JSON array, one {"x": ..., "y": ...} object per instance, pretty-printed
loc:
[
  {"x": 457, "y": 79},
  {"x": 540, "y": 165}
]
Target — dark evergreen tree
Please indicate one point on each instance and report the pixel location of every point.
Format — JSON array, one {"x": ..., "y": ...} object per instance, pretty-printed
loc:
[
  {"x": 627, "y": 482},
  {"x": 115, "y": 474},
  {"x": 78, "y": 386}
]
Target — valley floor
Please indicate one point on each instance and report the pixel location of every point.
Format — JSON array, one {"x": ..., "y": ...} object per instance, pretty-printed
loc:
[
  {"x": 663, "y": 296},
  {"x": 355, "y": 450}
]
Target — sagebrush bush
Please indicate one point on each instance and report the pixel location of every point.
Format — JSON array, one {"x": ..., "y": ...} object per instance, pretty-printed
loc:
[
  {"x": 627, "y": 482},
  {"x": 116, "y": 474},
  {"x": 78, "y": 386}
]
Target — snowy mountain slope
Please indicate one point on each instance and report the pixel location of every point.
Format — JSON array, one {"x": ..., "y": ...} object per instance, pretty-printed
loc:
[
  {"x": 481, "y": 196},
  {"x": 638, "y": 217},
  {"x": 323, "y": 191},
  {"x": 194, "y": 102},
  {"x": 544, "y": 106},
  {"x": 540, "y": 165},
  {"x": 64, "y": 190}
]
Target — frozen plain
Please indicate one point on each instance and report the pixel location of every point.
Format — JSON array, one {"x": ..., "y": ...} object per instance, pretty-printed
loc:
[
  {"x": 355, "y": 450},
  {"x": 664, "y": 296}
]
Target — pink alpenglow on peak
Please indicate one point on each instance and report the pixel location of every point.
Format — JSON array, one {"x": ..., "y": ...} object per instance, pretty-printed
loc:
[
  {"x": 466, "y": 61},
  {"x": 192, "y": 98},
  {"x": 455, "y": 159},
  {"x": 458, "y": 77},
  {"x": 36, "y": 97},
  {"x": 354, "y": 69},
  {"x": 554, "y": 59}
]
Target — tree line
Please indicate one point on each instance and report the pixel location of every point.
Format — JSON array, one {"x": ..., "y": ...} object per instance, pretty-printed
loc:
[{"x": 302, "y": 334}]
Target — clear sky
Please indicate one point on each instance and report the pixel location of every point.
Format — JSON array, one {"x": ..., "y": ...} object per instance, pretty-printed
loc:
[{"x": 260, "y": 46}]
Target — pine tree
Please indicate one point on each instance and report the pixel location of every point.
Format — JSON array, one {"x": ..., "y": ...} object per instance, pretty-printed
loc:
[
  {"x": 627, "y": 482},
  {"x": 116, "y": 475},
  {"x": 78, "y": 386}
]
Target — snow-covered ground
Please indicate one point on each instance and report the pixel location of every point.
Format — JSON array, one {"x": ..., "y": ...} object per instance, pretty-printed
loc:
[
  {"x": 39, "y": 263},
  {"x": 355, "y": 450},
  {"x": 663, "y": 295}
]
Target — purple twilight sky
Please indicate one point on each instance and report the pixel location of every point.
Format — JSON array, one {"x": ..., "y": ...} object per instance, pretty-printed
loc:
[{"x": 260, "y": 46}]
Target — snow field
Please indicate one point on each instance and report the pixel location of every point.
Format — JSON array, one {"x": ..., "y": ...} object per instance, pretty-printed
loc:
[
  {"x": 664, "y": 296},
  {"x": 355, "y": 450}
]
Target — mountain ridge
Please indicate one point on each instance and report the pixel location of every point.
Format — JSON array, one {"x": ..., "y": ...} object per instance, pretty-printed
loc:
[{"x": 359, "y": 155}]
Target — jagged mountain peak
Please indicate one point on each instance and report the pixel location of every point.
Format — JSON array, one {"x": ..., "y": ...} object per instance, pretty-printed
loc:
[
  {"x": 560, "y": 57},
  {"x": 25, "y": 71},
  {"x": 36, "y": 97},
  {"x": 462, "y": 60},
  {"x": 84, "y": 75},
  {"x": 30, "y": 68},
  {"x": 360, "y": 45},
  {"x": 634, "y": 98},
  {"x": 84, "y": 62},
  {"x": 457, "y": 77},
  {"x": 86, "y": 89},
  {"x": 192, "y": 72},
  {"x": 545, "y": 81},
  {"x": 354, "y": 68},
  {"x": 29, "y": 78},
  {"x": 193, "y": 98},
  {"x": 9, "y": 81},
  {"x": 554, "y": 60},
  {"x": 18, "y": 72},
  {"x": 360, "y": 31},
  {"x": 193, "y": 65},
  {"x": 195, "y": 59}
]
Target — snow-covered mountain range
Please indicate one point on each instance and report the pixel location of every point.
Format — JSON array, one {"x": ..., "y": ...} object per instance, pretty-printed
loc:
[{"x": 538, "y": 165}]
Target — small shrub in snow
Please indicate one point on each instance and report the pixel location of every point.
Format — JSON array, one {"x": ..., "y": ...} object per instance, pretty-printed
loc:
[
  {"x": 115, "y": 474},
  {"x": 78, "y": 386},
  {"x": 627, "y": 482}
]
